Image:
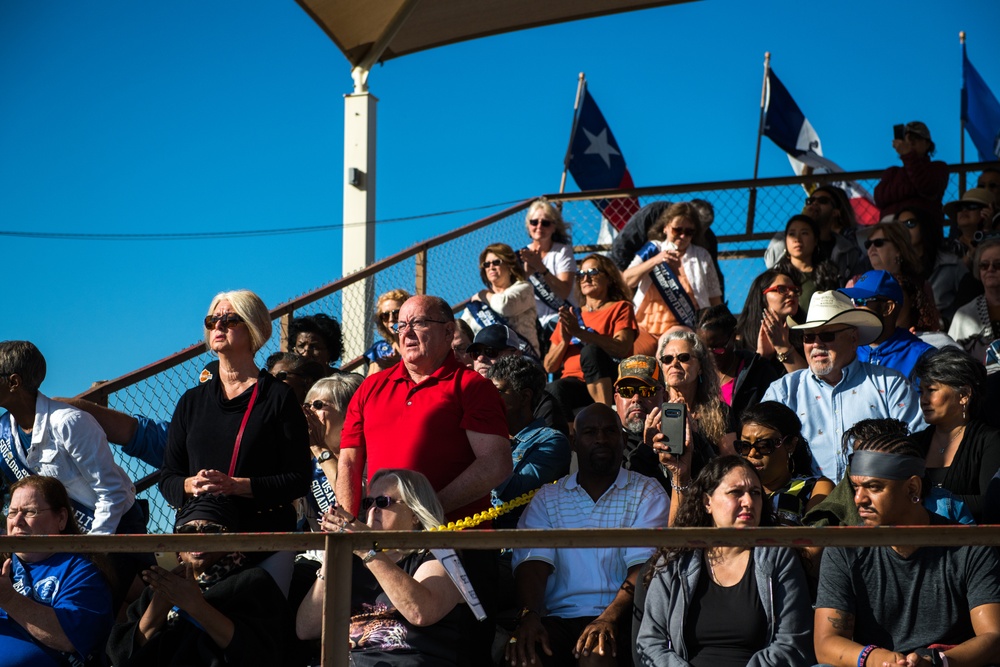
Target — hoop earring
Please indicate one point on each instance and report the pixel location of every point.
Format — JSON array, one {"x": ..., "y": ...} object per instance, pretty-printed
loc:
[
  {"x": 791, "y": 464},
  {"x": 915, "y": 499}
]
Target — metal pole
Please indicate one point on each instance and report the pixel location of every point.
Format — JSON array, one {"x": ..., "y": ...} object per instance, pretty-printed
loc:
[
  {"x": 961, "y": 121},
  {"x": 580, "y": 85},
  {"x": 752, "y": 203}
]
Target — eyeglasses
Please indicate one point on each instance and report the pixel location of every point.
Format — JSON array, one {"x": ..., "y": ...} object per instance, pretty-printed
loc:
[
  {"x": 207, "y": 529},
  {"x": 764, "y": 446},
  {"x": 970, "y": 206},
  {"x": 719, "y": 351},
  {"x": 589, "y": 273},
  {"x": 825, "y": 201},
  {"x": 416, "y": 325},
  {"x": 683, "y": 231},
  {"x": 316, "y": 405},
  {"x": 989, "y": 266},
  {"x": 475, "y": 351},
  {"x": 28, "y": 512},
  {"x": 387, "y": 315},
  {"x": 783, "y": 290},
  {"x": 668, "y": 359},
  {"x": 381, "y": 502},
  {"x": 281, "y": 376},
  {"x": 628, "y": 391},
  {"x": 878, "y": 243},
  {"x": 861, "y": 302},
  {"x": 227, "y": 321},
  {"x": 541, "y": 221},
  {"x": 911, "y": 223},
  {"x": 492, "y": 262},
  {"x": 824, "y": 336}
]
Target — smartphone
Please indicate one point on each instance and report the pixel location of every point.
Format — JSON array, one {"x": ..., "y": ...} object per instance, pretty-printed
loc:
[
  {"x": 898, "y": 132},
  {"x": 673, "y": 422}
]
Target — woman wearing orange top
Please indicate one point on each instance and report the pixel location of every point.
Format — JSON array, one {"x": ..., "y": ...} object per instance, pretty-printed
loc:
[
  {"x": 687, "y": 276},
  {"x": 589, "y": 341}
]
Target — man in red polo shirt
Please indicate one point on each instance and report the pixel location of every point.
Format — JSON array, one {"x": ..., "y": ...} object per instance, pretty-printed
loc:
[{"x": 429, "y": 414}]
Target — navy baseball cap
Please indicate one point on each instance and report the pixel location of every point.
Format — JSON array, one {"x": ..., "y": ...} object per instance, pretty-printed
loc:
[{"x": 875, "y": 283}]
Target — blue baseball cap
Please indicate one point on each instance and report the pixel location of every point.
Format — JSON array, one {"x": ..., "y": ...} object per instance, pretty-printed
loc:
[{"x": 875, "y": 283}]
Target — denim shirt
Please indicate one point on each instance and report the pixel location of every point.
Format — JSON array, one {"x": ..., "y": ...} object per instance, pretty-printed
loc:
[
  {"x": 541, "y": 455},
  {"x": 865, "y": 391}
]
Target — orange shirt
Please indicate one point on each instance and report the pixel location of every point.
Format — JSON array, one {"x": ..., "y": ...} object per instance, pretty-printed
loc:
[{"x": 606, "y": 321}]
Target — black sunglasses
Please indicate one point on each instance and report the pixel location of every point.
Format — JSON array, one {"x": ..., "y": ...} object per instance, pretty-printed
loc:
[
  {"x": 191, "y": 529},
  {"x": 281, "y": 376},
  {"x": 381, "y": 502},
  {"x": 682, "y": 231},
  {"x": 487, "y": 350},
  {"x": 970, "y": 206},
  {"x": 316, "y": 405},
  {"x": 386, "y": 315},
  {"x": 824, "y": 336},
  {"x": 878, "y": 243},
  {"x": 227, "y": 321},
  {"x": 668, "y": 359},
  {"x": 764, "y": 447},
  {"x": 492, "y": 262},
  {"x": 589, "y": 273},
  {"x": 644, "y": 390},
  {"x": 541, "y": 221},
  {"x": 826, "y": 201},
  {"x": 993, "y": 265}
]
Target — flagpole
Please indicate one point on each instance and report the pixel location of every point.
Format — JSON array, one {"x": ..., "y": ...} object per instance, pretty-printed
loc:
[
  {"x": 752, "y": 203},
  {"x": 961, "y": 120},
  {"x": 580, "y": 86}
]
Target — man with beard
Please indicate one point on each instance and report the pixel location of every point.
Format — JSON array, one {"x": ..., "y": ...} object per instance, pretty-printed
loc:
[
  {"x": 917, "y": 606},
  {"x": 838, "y": 390},
  {"x": 576, "y": 603},
  {"x": 638, "y": 392}
]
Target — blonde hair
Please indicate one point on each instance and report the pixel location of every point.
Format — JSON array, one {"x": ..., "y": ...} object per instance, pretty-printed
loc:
[
  {"x": 251, "y": 308},
  {"x": 398, "y": 295},
  {"x": 416, "y": 491},
  {"x": 552, "y": 212}
]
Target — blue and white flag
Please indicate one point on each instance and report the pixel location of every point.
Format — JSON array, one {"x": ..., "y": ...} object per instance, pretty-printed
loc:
[{"x": 980, "y": 112}]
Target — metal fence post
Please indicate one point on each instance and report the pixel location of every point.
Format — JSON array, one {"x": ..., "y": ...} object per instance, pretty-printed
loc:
[{"x": 337, "y": 607}]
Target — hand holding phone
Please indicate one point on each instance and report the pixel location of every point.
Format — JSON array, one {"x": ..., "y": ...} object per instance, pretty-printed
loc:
[{"x": 673, "y": 421}]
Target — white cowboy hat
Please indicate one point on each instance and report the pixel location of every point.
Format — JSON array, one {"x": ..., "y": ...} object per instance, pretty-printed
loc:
[{"x": 826, "y": 308}]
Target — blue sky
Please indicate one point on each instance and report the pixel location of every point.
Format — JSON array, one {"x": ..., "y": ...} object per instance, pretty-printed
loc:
[{"x": 126, "y": 117}]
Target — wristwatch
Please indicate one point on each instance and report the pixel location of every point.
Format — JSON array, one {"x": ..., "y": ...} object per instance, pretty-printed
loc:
[
  {"x": 524, "y": 612},
  {"x": 784, "y": 357},
  {"x": 325, "y": 456}
]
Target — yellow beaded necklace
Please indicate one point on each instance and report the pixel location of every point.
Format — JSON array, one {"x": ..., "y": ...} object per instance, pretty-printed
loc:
[{"x": 490, "y": 514}]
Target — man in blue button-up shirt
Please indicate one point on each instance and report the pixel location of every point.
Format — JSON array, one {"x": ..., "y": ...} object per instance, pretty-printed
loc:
[{"x": 837, "y": 390}]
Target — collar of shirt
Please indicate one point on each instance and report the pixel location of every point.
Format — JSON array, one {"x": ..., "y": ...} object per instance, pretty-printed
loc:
[
  {"x": 446, "y": 370},
  {"x": 621, "y": 481},
  {"x": 845, "y": 374}
]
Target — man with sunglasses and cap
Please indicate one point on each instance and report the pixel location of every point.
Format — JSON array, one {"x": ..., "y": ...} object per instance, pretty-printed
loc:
[
  {"x": 920, "y": 182},
  {"x": 838, "y": 390},
  {"x": 971, "y": 213},
  {"x": 880, "y": 293}
]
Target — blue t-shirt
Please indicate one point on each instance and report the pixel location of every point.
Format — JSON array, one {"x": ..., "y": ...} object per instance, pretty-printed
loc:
[{"x": 78, "y": 592}]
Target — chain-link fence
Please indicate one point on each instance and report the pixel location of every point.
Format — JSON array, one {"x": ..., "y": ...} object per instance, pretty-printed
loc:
[{"x": 447, "y": 266}]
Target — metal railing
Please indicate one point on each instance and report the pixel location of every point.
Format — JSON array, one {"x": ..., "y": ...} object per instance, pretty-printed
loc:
[
  {"x": 338, "y": 548},
  {"x": 446, "y": 266}
]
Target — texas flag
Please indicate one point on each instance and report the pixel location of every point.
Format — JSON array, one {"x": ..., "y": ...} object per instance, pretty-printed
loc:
[
  {"x": 596, "y": 162},
  {"x": 790, "y": 130},
  {"x": 980, "y": 112}
]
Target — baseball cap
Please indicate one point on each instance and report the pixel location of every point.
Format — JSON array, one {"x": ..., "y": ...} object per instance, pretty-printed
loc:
[
  {"x": 497, "y": 336},
  {"x": 875, "y": 283},
  {"x": 640, "y": 367},
  {"x": 919, "y": 129}
]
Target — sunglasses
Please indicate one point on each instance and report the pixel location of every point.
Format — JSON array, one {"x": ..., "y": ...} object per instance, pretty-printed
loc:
[
  {"x": 825, "y": 201},
  {"x": 589, "y": 273},
  {"x": 227, "y": 321},
  {"x": 682, "y": 231},
  {"x": 878, "y": 243},
  {"x": 381, "y": 502},
  {"x": 989, "y": 266},
  {"x": 191, "y": 529},
  {"x": 719, "y": 351},
  {"x": 387, "y": 315},
  {"x": 668, "y": 359},
  {"x": 783, "y": 290},
  {"x": 861, "y": 302},
  {"x": 316, "y": 405},
  {"x": 628, "y": 391},
  {"x": 824, "y": 336},
  {"x": 764, "y": 446},
  {"x": 281, "y": 376},
  {"x": 485, "y": 350},
  {"x": 492, "y": 262},
  {"x": 970, "y": 206},
  {"x": 541, "y": 221}
]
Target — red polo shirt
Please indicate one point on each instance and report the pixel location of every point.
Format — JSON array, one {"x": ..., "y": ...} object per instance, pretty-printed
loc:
[{"x": 422, "y": 427}]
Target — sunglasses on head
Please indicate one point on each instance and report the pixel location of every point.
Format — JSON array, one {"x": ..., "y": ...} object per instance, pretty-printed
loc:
[
  {"x": 683, "y": 231},
  {"x": 540, "y": 221},
  {"x": 825, "y": 201},
  {"x": 628, "y": 391},
  {"x": 208, "y": 528},
  {"x": 878, "y": 243},
  {"x": 668, "y": 359},
  {"x": 227, "y": 321},
  {"x": 764, "y": 446},
  {"x": 824, "y": 336},
  {"x": 381, "y": 502},
  {"x": 492, "y": 262},
  {"x": 589, "y": 273},
  {"x": 784, "y": 290},
  {"x": 387, "y": 315}
]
